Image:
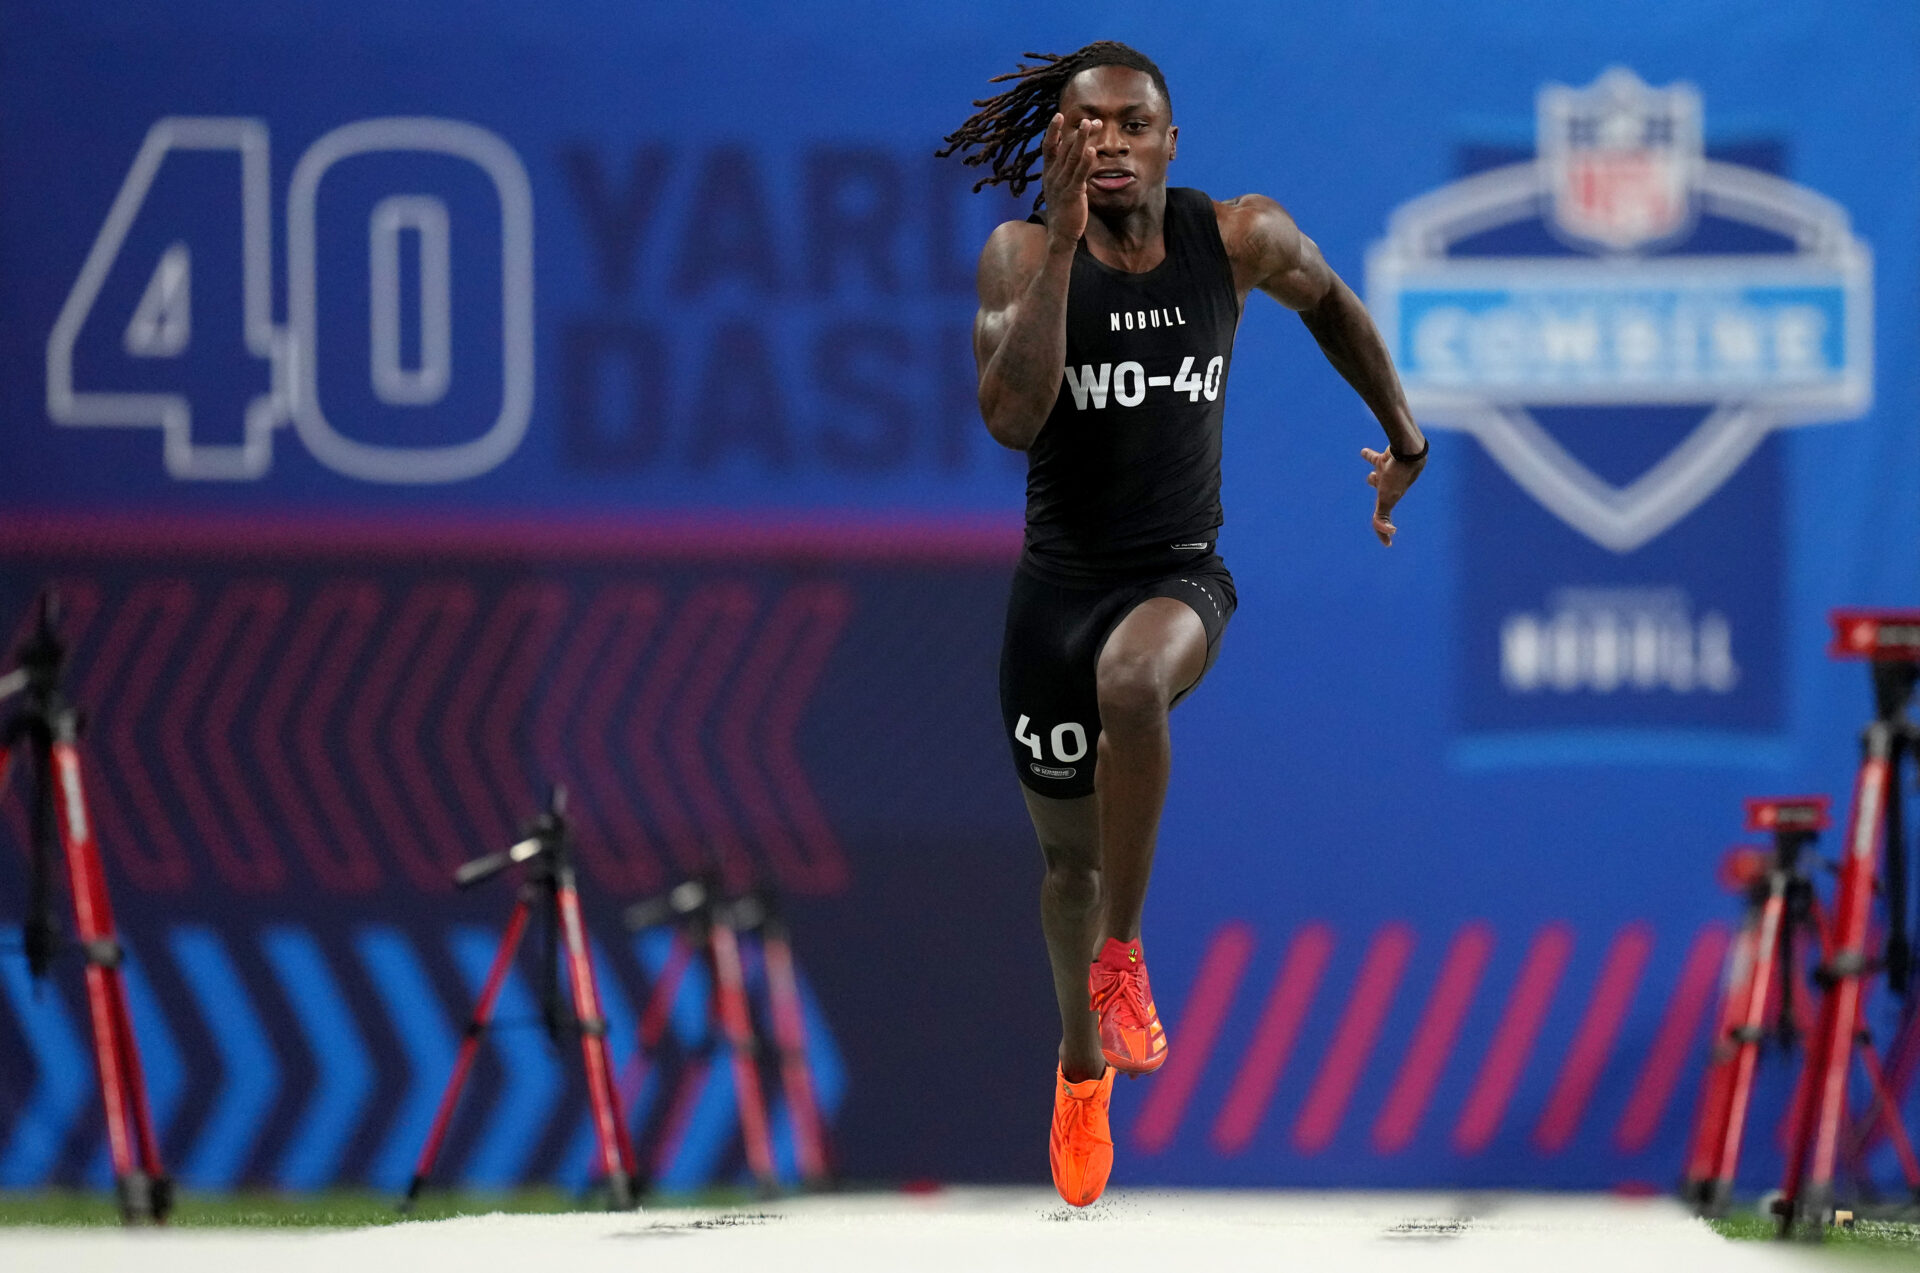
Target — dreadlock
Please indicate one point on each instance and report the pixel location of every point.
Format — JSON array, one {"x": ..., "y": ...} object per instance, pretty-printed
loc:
[{"x": 1002, "y": 135}]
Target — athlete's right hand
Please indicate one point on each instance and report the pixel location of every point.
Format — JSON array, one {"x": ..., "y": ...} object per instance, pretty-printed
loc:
[
  {"x": 1390, "y": 479},
  {"x": 1067, "y": 158}
]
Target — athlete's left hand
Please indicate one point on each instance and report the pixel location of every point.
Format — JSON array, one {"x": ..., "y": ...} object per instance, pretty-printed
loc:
[{"x": 1390, "y": 479}]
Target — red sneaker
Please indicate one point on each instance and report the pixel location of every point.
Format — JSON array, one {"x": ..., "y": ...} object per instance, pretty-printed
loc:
[
  {"x": 1131, "y": 1036},
  {"x": 1080, "y": 1147}
]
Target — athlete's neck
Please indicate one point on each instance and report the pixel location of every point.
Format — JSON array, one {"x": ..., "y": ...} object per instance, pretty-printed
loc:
[{"x": 1134, "y": 240}]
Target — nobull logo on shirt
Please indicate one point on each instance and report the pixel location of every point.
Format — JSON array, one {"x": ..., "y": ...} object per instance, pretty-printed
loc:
[
  {"x": 1142, "y": 319},
  {"x": 1621, "y": 319}
]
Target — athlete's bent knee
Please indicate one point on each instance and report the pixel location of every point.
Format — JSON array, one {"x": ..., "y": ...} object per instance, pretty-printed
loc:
[
  {"x": 1132, "y": 695},
  {"x": 1073, "y": 886}
]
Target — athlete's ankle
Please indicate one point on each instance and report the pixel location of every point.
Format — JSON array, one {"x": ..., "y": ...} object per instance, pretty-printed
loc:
[{"x": 1078, "y": 1069}]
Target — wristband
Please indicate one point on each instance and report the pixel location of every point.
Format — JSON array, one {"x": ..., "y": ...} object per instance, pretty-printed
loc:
[{"x": 1416, "y": 457}]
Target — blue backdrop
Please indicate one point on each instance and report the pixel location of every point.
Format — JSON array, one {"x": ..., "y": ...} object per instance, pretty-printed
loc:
[{"x": 423, "y": 401}]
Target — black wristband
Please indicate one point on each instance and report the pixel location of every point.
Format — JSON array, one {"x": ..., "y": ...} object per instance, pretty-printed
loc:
[{"x": 1421, "y": 454}]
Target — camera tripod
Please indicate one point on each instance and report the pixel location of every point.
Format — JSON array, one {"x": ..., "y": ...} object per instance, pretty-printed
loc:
[
  {"x": 550, "y": 890},
  {"x": 1764, "y": 976},
  {"x": 1890, "y": 642},
  {"x": 45, "y": 728},
  {"x": 710, "y": 927}
]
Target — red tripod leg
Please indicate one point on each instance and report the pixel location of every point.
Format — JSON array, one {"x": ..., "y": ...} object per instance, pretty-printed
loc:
[
  {"x": 1807, "y": 1192},
  {"x": 1905, "y": 1052},
  {"x": 736, "y": 1020},
  {"x": 1805, "y": 1016},
  {"x": 469, "y": 1048},
  {"x": 1749, "y": 991},
  {"x": 144, "y": 1193},
  {"x": 796, "y": 1072},
  {"x": 1903, "y": 1060},
  {"x": 661, "y": 997},
  {"x": 1752, "y": 1029},
  {"x": 137, "y": 1091},
  {"x": 1885, "y": 1112},
  {"x": 1710, "y": 1122},
  {"x": 666, "y": 989},
  {"x": 616, "y": 1151}
]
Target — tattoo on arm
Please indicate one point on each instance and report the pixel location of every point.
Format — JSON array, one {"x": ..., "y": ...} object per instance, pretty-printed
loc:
[
  {"x": 1020, "y": 334},
  {"x": 1348, "y": 337}
]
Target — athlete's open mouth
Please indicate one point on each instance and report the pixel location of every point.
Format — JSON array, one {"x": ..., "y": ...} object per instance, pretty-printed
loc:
[{"x": 1111, "y": 178}]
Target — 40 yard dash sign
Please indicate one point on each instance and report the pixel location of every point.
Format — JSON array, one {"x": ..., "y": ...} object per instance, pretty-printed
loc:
[{"x": 376, "y": 393}]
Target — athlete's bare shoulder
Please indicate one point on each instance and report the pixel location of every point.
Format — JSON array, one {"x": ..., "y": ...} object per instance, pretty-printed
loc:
[
  {"x": 1269, "y": 252},
  {"x": 1254, "y": 225},
  {"x": 1015, "y": 252}
]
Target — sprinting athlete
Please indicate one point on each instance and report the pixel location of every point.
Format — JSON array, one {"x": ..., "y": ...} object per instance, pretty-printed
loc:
[{"x": 1103, "y": 341}]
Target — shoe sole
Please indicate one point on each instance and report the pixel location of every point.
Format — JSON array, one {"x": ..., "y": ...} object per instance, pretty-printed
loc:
[{"x": 1134, "y": 1069}]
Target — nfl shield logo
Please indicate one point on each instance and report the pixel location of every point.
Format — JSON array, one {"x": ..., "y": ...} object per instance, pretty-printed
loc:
[{"x": 1620, "y": 159}]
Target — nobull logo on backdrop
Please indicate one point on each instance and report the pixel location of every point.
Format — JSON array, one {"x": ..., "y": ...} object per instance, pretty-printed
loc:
[
  {"x": 1621, "y": 318},
  {"x": 630, "y": 317}
]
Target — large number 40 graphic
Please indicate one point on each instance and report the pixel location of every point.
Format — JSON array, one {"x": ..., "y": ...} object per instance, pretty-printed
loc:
[
  {"x": 1069, "y": 740},
  {"x": 161, "y": 324}
]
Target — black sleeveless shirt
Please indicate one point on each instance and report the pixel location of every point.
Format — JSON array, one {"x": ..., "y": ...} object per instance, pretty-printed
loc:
[{"x": 1123, "y": 481}]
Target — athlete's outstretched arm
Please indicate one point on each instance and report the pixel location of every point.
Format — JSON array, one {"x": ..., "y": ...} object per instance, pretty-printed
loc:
[
  {"x": 1269, "y": 252},
  {"x": 1020, "y": 333}
]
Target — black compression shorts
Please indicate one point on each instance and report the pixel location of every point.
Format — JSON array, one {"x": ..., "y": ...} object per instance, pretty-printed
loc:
[{"x": 1048, "y": 697}]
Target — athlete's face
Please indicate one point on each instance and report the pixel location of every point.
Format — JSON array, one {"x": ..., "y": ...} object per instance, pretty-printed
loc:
[{"x": 1135, "y": 138}]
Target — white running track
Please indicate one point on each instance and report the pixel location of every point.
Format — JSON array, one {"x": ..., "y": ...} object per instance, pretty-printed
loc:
[{"x": 965, "y": 1229}]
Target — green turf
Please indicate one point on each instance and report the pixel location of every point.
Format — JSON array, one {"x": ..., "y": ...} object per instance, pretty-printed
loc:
[
  {"x": 340, "y": 1209},
  {"x": 1880, "y": 1237}
]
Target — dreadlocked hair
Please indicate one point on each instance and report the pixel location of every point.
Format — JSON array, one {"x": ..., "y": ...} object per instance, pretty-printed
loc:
[{"x": 1003, "y": 135}]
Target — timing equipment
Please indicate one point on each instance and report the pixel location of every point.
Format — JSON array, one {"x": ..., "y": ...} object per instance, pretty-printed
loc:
[
  {"x": 1890, "y": 641},
  {"x": 709, "y": 926},
  {"x": 550, "y": 890},
  {"x": 1765, "y": 985},
  {"x": 45, "y": 728},
  {"x": 1784, "y": 918}
]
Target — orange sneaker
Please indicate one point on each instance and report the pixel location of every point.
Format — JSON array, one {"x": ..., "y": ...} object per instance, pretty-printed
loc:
[
  {"x": 1131, "y": 1036},
  {"x": 1080, "y": 1147}
]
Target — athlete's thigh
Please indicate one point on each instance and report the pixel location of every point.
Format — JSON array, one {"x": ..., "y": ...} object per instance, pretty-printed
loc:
[
  {"x": 1206, "y": 589},
  {"x": 1160, "y": 643},
  {"x": 1047, "y": 695}
]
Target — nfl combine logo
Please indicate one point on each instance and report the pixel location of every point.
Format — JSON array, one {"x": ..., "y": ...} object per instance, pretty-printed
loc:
[
  {"x": 1621, "y": 318},
  {"x": 1621, "y": 159}
]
